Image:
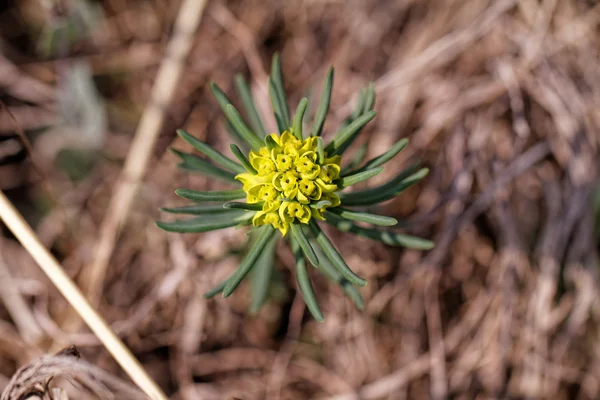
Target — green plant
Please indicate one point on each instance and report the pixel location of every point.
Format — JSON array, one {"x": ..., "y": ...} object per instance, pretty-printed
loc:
[{"x": 290, "y": 181}]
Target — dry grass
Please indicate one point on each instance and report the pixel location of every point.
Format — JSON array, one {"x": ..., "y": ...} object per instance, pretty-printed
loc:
[{"x": 499, "y": 98}]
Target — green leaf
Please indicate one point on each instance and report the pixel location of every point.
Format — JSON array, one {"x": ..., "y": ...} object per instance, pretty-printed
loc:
[
  {"x": 217, "y": 195},
  {"x": 384, "y": 192},
  {"x": 240, "y": 126},
  {"x": 271, "y": 143},
  {"x": 224, "y": 101},
  {"x": 206, "y": 223},
  {"x": 211, "y": 153},
  {"x": 236, "y": 136},
  {"x": 348, "y": 133},
  {"x": 198, "y": 209},
  {"x": 334, "y": 256},
  {"x": 373, "y": 219},
  {"x": 359, "y": 177},
  {"x": 277, "y": 78},
  {"x": 320, "y": 204},
  {"x": 194, "y": 163},
  {"x": 215, "y": 291},
  {"x": 369, "y": 98},
  {"x": 321, "y": 114},
  {"x": 389, "y": 238},
  {"x": 304, "y": 282},
  {"x": 261, "y": 275},
  {"x": 320, "y": 150},
  {"x": 243, "y": 206},
  {"x": 277, "y": 107},
  {"x": 302, "y": 240},
  {"x": 360, "y": 104},
  {"x": 357, "y": 158},
  {"x": 237, "y": 152},
  {"x": 266, "y": 232},
  {"x": 331, "y": 273},
  {"x": 385, "y": 157},
  {"x": 298, "y": 118},
  {"x": 249, "y": 106}
]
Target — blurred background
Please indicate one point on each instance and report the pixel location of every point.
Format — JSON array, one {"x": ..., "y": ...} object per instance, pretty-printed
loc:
[{"x": 499, "y": 98}]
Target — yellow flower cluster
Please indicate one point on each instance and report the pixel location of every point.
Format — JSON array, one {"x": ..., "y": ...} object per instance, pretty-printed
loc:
[{"x": 291, "y": 181}]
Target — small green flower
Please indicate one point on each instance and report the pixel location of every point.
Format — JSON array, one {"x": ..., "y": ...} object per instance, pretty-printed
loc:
[{"x": 289, "y": 180}]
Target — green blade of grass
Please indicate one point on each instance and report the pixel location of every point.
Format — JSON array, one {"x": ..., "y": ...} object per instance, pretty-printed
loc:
[
  {"x": 348, "y": 133},
  {"x": 359, "y": 177},
  {"x": 194, "y": 163},
  {"x": 249, "y": 105},
  {"x": 302, "y": 240},
  {"x": 334, "y": 256},
  {"x": 373, "y": 219},
  {"x": 211, "y": 153},
  {"x": 237, "y": 152},
  {"x": 389, "y": 238},
  {"x": 299, "y": 117},
  {"x": 321, "y": 114},
  {"x": 266, "y": 232},
  {"x": 217, "y": 195},
  {"x": 304, "y": 282}
]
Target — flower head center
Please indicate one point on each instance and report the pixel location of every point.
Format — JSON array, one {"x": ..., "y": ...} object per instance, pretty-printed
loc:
[{"x": 290, "y": 177}]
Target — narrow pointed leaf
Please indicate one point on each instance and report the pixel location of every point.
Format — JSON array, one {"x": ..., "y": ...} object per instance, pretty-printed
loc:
[
  {"x": 270, "y": 142},
  {"x": 266, "y": 232},
  {"x": 334, "y": 256},
  {"x": 240, "y": 126},
  {"x": 320, "y": 150},
  {"x": 385, "y": 157},
  {"x": 299, "y": 117},
  {"x": 249, "y": 106},
  {"x": 359, "y": 177},
  {"x": 384, "y": 192},
  {"x": 320, "y": 204},
  {"x": 224, "y": 101},
  {"x": 236, "y": 136},
  {"x": 206, "y": 223},
  {"x": 304, "y": 282},
  {"x": 373, "y": 219},
  {"x": 261, "y": 275},
  {"x": 348, "y": 133},
  {"x": 218, "y": 195},
  {"x": 369, "y": 98},
  {"x": 211, "y": 153},
  {"x": 389, "y": 238},
  {"x": 198, "y": 209},
  {"x": 215, "y": 291},
  {"x": 243, "y": 206},
  {"x": 194, "y": 163},
  {"x": 277, "y": 77},
  {"x": 319, "y": 122},
  {"x": 333, "y": 275},
  {"x": 277, "y": 107},
  {"x": 302, "y": 240},
  {"x": 357, "y": 158},
  {"x": 360, "y": 104},
  {"x": 237, "y": 152}
]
